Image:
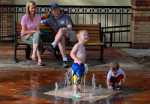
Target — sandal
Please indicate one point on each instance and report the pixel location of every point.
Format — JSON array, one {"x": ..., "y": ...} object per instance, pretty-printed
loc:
[
  {"x": 41, "y": 64},
  {"x": 33, "y": 58}
]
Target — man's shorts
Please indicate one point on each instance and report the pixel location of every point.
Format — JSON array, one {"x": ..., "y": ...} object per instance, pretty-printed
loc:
[{"x": 72, "y": 36}]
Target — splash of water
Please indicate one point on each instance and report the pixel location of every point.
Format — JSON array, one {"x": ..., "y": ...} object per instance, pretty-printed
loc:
[
  {"x": 56, "y": 86},
  {"x": 66, "y": 80},
  {"x": 86, "y": 71},
  {"x": 93, "y": 81}
]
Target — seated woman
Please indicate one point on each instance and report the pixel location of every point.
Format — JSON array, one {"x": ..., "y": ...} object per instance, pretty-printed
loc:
[{"x": 30, "y": 33}]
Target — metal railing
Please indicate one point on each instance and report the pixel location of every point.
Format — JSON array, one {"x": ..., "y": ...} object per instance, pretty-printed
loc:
[
  {"x": 108, "y": 16},
  {"x": 116, "y": 36}
]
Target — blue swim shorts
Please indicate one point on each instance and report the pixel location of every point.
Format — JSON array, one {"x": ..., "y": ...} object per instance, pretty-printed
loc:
[{"x": 78, "y": 69}]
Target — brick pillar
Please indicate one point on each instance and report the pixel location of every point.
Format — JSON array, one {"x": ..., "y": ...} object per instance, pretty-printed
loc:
[
  {"x": 141, "y": 23},
  {"x": 6, "y": 21}
]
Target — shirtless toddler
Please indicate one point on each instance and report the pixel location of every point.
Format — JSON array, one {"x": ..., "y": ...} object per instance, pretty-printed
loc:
[{"x": 78, "y": 54}]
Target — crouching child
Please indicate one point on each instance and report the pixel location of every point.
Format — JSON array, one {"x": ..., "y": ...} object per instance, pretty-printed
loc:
[{"x": 115, "y": 76}]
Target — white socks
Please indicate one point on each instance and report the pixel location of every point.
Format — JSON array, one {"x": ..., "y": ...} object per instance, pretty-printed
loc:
[
  {"x": 65, "y": 58},
  {"x": 53, "y": 44}
]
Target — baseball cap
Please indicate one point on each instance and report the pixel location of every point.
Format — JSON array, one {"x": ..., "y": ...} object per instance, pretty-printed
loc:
[{"x": 54, "y": 5}]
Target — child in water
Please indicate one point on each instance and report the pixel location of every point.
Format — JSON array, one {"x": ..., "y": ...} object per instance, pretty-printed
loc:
[
  {"x": 115, "y": 76},
  {"x": 78, "y": 54}
]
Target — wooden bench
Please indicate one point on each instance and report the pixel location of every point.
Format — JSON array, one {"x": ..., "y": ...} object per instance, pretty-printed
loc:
[{"x": 95, "y": 35}]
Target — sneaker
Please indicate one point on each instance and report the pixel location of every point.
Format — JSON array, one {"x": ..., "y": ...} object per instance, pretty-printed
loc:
[
  {"x": 118, "y": 87},
  {"x": 40, "y": 64},
  {"x": 110, "y": 87},
  {"x": 65, "y": 65}
]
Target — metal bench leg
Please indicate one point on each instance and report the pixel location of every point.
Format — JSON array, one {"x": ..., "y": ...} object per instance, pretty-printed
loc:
[
  {"x": 28, "y": 52},
  {"x": 101, "y": 53},
  {"x": 15, "y": 54}
]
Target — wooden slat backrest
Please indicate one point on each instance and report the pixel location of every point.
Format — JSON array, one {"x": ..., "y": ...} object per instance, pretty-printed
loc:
[
  {"x": 18, "y": 29},
  {"x": 45, "y": 27},
  {"x": 18, "y": 33},
  {"x": 93, "y": 30}
]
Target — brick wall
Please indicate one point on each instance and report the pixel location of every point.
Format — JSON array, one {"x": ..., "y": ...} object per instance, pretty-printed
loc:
[
  {"x": 141, "y": 23},
  {"x": 6, "y": 21}
]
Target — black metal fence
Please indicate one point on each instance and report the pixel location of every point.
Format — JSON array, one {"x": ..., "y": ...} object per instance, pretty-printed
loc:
[{"x": 109, "y": 16}]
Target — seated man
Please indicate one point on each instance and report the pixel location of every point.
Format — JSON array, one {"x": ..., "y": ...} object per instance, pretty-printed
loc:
[{"x": 62, "y": 25}]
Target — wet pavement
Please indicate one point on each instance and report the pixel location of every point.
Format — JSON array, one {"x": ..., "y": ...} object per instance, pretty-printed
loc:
[
  {"x": 28, "y": 87},
  {"x": 24, "y": 84}
]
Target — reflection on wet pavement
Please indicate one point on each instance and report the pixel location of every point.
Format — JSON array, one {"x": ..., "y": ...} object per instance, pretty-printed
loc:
[{"x": 27, "y": 87}]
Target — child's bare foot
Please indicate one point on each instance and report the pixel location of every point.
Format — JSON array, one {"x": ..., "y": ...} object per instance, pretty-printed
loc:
[{"x": 79, "y": 88}]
